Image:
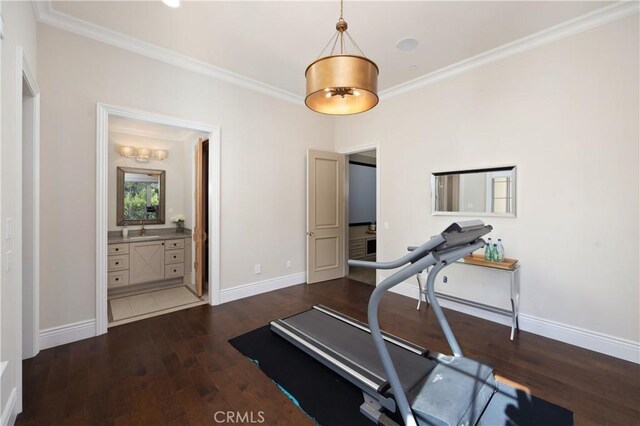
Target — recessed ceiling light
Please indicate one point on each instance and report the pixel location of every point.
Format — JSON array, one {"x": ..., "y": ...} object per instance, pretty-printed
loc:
[
  {"x": 172, "y": 3},
  {"x": 407, "y": 44},
  {"x": 413, "y": 67}
]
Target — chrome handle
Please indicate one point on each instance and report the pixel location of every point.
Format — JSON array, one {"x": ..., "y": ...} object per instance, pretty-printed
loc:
[{"x": 310, "y": 233}]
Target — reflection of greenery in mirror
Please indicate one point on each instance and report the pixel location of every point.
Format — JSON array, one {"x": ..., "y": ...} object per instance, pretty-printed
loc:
[
  {"x": 480, "y": 192},
  {"x": 140, "y": 196}
]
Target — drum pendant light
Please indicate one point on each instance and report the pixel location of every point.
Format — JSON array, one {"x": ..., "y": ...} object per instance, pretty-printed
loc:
[{"x": 341, "y": 84}]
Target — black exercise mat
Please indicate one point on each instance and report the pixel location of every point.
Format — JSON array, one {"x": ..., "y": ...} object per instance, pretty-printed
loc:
[{"x": 330, "y": 400}]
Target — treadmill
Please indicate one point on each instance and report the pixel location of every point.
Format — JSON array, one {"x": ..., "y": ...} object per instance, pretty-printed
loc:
[{"x": 427, "y": 388}]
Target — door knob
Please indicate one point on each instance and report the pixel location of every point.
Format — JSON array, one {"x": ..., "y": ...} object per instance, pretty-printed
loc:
[{"x": 310, "y": 233}]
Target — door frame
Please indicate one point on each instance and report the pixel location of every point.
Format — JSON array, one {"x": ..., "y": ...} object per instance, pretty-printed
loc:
[
  {"x": 104, "y": 111},
  {"x": 355, "y": 150},
  {"x": 29, "y": 344}
]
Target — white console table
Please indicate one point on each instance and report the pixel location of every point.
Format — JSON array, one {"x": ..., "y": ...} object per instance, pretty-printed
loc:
[{"x": 510, "y": 266}]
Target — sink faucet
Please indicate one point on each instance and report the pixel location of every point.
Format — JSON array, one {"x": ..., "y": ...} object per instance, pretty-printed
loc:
[{"x": 142, "y": 230}]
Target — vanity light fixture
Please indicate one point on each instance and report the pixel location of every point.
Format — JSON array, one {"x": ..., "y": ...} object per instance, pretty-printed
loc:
[
  {"x": 126, "y": 151},
  {"x": 342, "y": 84},
  {"x": 160, "y": 154},
  {"x": 143, "y": 155}
]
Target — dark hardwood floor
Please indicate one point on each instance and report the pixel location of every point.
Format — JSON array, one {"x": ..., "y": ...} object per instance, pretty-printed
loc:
[{"x": 179, "y": 369}]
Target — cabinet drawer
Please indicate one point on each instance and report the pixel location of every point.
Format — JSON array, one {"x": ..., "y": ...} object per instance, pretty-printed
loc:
[
  {"x": 357, "y": 244},
  {"x": 118, "y": 249},
  {"x": 356, "y": 254},
  {"x": 118, "y": 263},
  {"x": 117, "y": 279},
  {"x": 174, "y": 244},
  {"x": 172, "y": 271},
  {"x": 173, "y": 256}
]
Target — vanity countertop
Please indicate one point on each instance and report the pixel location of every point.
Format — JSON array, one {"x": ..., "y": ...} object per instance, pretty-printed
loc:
[{"x": 151, "y": 235}]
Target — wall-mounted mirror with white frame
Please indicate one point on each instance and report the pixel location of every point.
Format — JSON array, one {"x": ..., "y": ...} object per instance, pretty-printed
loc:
[{"x": 474, "y": 192}]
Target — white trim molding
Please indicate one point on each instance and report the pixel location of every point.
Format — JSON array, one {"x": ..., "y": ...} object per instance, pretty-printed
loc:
[
  {"x": 102, "y": 156},
  {"x": 252, "y": 289},
  {"x": 29, "y": 345},
  {"x": 67, "y": 333},
  {"x": 609, "y": 345},
  {"x": 8, "y": 415},
  {"x": 46, "y": 14},
  {"x": 566, "y": 29}
]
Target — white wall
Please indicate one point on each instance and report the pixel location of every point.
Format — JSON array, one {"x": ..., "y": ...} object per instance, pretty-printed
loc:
[
  {"x": 566, "y": 114},
  {"x": 20, "y": 30},
  {"x": 263, "y": 142},
  {"x": 178, "y": 179}
]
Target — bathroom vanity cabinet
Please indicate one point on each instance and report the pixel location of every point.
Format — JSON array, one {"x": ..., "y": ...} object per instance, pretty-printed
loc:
[{"x": 162, "y": 259}]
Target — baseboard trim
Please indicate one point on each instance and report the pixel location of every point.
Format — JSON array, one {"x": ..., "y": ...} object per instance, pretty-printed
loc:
[
  {"x": 8, "y": 416},
  {"x": 252, "y": 289},
  {"x": 627, "y": 350},
  {"x": 67, "y": 333}
]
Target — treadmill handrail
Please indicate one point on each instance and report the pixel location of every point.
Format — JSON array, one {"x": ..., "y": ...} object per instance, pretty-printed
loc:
[
  {"x": 414, "y": 255},
  {"x": 374, "y": 326}
]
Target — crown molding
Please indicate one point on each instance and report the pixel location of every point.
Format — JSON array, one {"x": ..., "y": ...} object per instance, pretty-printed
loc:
[
  {"x": 46, "y": 14},
  {"x": 566, "y": 29}
]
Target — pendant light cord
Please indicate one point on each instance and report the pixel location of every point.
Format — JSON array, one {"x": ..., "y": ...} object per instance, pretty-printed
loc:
[
  {"x": 342, "y": 32},
  {"x": 340, "y": 35}
]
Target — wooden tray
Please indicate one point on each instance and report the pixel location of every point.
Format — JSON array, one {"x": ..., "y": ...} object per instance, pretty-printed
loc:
[{"x": 478, "y": 259}]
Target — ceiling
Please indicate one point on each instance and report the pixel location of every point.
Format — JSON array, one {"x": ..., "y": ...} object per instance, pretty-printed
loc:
[
  {"x": 147, "y": 129},
  {"x": 274, "y": 41}
]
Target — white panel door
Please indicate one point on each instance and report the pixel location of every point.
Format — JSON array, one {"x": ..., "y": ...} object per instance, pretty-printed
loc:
[
  {"x": 325, "y": 216},
  {"x": 146, "y": 262}
]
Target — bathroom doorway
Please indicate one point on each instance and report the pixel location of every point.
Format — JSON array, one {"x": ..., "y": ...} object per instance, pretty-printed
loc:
[{"x": 147, "y": 194}]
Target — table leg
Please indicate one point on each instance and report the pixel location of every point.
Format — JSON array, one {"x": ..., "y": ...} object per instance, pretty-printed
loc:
[
  {"x": 515, "y": 301},
  {"x": 514, "y": 319},
  {"x": 419, "y": 292}
]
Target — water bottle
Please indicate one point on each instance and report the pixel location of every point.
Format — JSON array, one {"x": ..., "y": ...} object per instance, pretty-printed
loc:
[
  {"x": 487, "y": 250},
  {"x": 494, "y": 253},
  {"x": 500, "y": 251}
]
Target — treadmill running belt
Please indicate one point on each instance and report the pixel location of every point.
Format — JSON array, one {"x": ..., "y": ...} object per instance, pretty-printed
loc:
[{"x": 358, "y": 346}]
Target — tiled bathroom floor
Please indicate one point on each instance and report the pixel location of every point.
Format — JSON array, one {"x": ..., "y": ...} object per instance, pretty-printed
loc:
[{"x": 131, "y": 308}]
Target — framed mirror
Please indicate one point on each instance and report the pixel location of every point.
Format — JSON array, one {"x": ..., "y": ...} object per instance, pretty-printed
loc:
[
  {"x": 140, "y": 197},
  {"x": 477, "y": 192}
]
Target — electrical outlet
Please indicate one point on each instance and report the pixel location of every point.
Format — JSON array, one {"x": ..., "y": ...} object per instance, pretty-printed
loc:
[
  {"x": 288, "y": 264},
  {"x": 386, "y": 225},
  {"x": 257, "y": 268}
]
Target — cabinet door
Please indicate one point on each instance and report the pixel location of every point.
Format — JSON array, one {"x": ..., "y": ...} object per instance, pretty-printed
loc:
[{"x": 146, "y": 262}]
